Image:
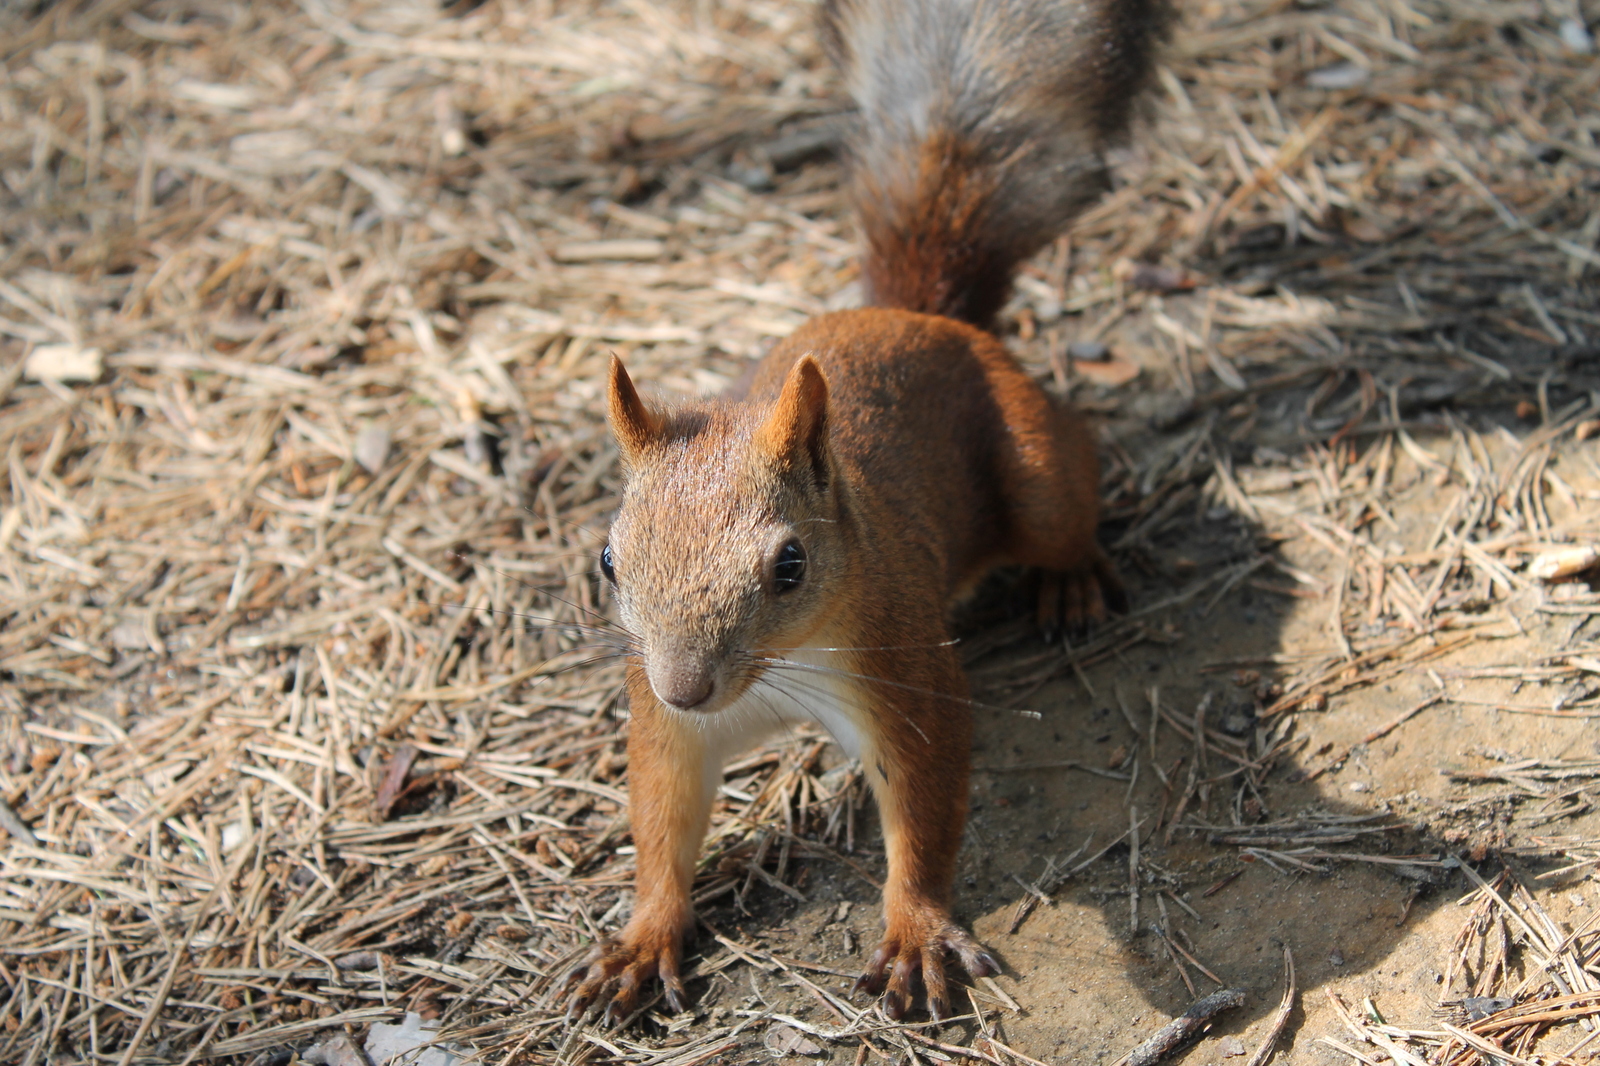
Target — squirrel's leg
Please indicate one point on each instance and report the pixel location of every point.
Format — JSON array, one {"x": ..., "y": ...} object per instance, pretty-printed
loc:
[
  {"x": 1055, "y": 506},
  {"x": 671, "y": 782},
  {"x": 916, "y": 755}
]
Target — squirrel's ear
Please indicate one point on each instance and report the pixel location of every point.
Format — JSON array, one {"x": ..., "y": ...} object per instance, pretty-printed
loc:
[
  {"x": 797, "y": 427},
  {"x": 631, "y": 422}
]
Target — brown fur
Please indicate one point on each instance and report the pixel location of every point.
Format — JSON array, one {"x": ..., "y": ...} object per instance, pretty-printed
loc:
[
  {"x": 910, "y": 454},
  {"x": 981, "y": 132},
  {"x": 900, "y": 452}
]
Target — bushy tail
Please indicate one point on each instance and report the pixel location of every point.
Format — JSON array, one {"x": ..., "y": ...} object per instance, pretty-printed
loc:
[{"x": 981, "y": 128}]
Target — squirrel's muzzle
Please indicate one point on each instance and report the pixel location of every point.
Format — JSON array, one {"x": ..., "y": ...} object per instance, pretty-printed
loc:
[{"x": 682, "y": 681}]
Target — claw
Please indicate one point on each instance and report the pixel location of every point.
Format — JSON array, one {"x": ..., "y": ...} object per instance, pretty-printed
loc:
[
  {"x": 1112, "y": 590},
  {"x": 1071, "y": 601},
  {"x": 873, "y": 979},
  {"x": 617, "y": 972},
  {"x": 916, "y": 952},
  {"x": 933, "y": 981},
  {"x": 672, "y": 985}
]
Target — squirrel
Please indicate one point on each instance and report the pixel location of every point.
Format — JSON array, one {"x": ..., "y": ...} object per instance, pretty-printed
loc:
[{"x": 788, "y": 553}]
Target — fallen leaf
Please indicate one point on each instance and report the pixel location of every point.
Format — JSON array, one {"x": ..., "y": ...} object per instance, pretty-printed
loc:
[{"x": 787, "y": 1040}]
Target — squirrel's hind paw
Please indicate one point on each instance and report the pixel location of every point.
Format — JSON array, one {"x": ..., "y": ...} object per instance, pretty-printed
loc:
[
  {"x": 1071, "y": 601},
  {"x": 901, "y": 960},
  {"x": 622, "y": 969}
]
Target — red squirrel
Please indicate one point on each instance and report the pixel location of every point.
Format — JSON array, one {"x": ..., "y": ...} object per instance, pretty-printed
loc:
[{"x": 789, "y": 554}]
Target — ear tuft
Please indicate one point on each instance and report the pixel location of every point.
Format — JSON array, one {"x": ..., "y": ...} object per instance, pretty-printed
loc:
[
  {"x": 797, "y": 429},
  {"x": 631, "y": 421}
]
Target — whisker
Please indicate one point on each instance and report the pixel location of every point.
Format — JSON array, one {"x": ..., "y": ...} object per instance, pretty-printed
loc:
[
  {"x": 548, "y": 590},
  {"x": 766, "y": 681},
  {"x": 542, "y": 621},
  {"x": 578, "y": 606},
  {"x": 952, "y": 642},
  {"x": 777, "y": 663},
  {"x": 850, "y": 698},
  {"x": 591, "y": 661},
  {"x": 766, "y": 705}
]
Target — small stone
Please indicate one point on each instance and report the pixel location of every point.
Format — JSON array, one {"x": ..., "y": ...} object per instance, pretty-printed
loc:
[
  {"x": 1338, "y": 76},
  {"x": 1576, "y": 36},
  {"x": 1231, "y": 1047},
  {"x": 1359, "y": 786},
  {"x": 1335, "y": 957},
  {"x": 1089, "y": 351},
  {"x": 372, "y": 448}
]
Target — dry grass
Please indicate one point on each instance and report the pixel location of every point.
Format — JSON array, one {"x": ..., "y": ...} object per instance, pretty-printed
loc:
[
  {"x": 1496, "y": 1018},
  {"x": 307, "y": 716}
]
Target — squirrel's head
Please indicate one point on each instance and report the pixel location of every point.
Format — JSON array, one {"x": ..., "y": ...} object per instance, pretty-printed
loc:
[{"x": 727, "y": 542}]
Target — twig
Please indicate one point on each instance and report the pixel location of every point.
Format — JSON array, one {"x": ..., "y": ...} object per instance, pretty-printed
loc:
[
  {"x": 1183, "y": 1028},
  {"x": 1281, "y": 1018},
  {"x": 180, "y": 953},
  {"x": 13, "y": 824}
]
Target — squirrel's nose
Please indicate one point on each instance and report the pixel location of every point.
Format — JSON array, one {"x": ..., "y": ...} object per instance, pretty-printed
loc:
[{"x": 682, "y": 685}]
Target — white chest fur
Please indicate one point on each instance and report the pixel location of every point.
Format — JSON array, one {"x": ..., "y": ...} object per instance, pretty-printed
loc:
[{"x": 806, "y": 686}]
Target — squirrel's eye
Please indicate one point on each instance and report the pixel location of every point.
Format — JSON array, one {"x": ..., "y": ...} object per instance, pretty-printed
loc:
[
  {"x": 790, "y": 567},
  {"x": 606, "y": 566}
]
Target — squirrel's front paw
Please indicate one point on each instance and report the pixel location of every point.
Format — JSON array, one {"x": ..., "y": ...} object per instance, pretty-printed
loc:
[
  {"x": 621, "y": 968},
  {"x": 1070, "y": 600},
  {"x": 916, "y": 947}
]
